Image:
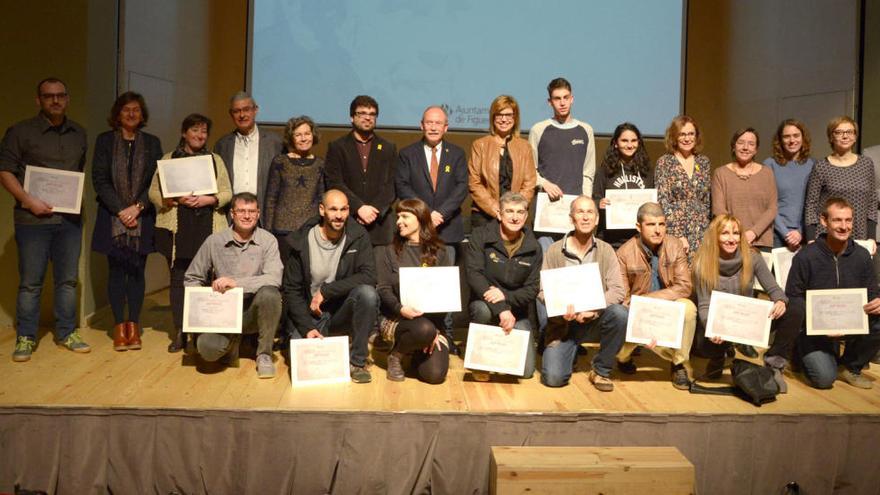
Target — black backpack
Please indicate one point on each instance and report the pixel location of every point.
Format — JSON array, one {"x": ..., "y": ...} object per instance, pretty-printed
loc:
[{"x": 752, "y": 383}]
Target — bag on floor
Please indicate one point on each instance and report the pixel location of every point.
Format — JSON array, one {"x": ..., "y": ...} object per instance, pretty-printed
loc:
[{"x": 752, "y": 383}]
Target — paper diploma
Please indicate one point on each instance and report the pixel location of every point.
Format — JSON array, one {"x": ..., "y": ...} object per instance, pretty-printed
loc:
[
  {"x": 768, "y": 260},
  {"x": 489, "y": 349},
  {"x": 193, "y": 175},
  {"x": 432, "y": 289},
  {"x": 625, "y": 203},
  {"x": 740, "y": 319},
  {"x": 319, "y": 361},
  {"x": 658, "y": 319},
  {"x": 837, "y": 311},
  {"x": 782, "y": 257},
  {"x": 207, "y": 311},
  {"x": 579, "y": 285},
  {"x": 61, "y": 189},
  {"x": 553, "y": 216}
]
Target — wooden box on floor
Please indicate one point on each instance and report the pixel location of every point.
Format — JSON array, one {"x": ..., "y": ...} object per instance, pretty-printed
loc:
[{"x": 582, "y": 470}]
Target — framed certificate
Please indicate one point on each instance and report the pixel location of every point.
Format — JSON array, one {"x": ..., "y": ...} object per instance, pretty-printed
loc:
[
  {"x": 837, "y": 311},
  {"x": 768, "y": 260},
  {"x": 490, "y": 349},
  {"x": 319, "y": 361},
  {"x": 433, "y": 289},
  {"x": 553, "y": 216},
  {"x": 740, "y": 319},
  {"x": 621, "y": 213},
  {"x": 193, "y": 175},
  {"x": 657, "y": 319},
  {"x": 207, "y": 311},
  {"x": 579, "y": 285},
  {"x": 782, "y": 257},
  {"x": 60, "y": 189}
]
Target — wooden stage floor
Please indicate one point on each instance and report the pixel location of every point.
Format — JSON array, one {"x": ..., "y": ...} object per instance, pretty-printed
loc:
[{"x": 153, "y": 378}]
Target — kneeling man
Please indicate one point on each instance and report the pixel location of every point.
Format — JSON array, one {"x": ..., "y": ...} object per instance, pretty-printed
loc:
[{"x": 245, "y": 256}]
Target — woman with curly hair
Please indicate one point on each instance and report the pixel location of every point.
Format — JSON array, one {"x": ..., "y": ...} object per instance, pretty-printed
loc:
[
  {"x": 791, "y": 165},
  {"x": 412, "y": 332},
  {"x": 626, "y": 166}
]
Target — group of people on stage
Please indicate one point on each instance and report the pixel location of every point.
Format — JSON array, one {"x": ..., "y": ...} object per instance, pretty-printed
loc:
[{"x": 317, "y": 244}]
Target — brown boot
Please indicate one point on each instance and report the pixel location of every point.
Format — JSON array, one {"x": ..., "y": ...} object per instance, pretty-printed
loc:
[
  {"x": 133, "y": 334},
  {"x": 394, "y": 371},
  {"x": 120, "y": 340}
]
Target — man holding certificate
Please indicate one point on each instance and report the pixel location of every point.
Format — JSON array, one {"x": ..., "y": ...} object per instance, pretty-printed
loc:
[
  {"x": 244, "y": 256},
  {"x": 653, "y": 267},
  {"x": 834, "y": 261},
  {"x": 565, "y": 333},
  {"x": 329, "y": 279},
  {"x": 503, "y": 266},
  {"x": 53, "y": 141}
]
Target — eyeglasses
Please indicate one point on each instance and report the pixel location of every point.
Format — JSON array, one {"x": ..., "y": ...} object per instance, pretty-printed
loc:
[
  {"x": 245, "y": 212},
  {"x": 239, "y": 111},
  {"x": 686, "y": 135},
  {"x": 844, "y": 132},
  {"x": 504, "y": 116},
  {"x": 53, "y": 96},
  {"x": 367, "y": 115}
]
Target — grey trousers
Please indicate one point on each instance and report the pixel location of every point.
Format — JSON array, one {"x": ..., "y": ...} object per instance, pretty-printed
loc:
[{"x": 262, "y": 312}]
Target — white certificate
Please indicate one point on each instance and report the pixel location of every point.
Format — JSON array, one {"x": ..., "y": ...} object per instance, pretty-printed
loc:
[
  {"x": 657, "y": 319},
  {"x": 489, "y": 349},
  {"x": 579, "y": 285},
  {"x": 782, "y": 257},
  {"x": 768, "y": 260},
  {"x": 740, "y": 319},
  {"x": 837, "y": 311},
  {"x": 207, "y": 311},
  {"x": 433, "y": 289},
  {"x": 319, "y": 361},
  {"x": 868, "y": 244},
  {"x": 60, "y": 189},
  {"x": 625, "y": 203},
  {"x": 193, "y": 175},
  {"x": 553, "y": 216}
]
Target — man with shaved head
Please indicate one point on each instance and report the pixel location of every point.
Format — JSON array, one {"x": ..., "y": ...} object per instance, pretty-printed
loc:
[{"x": 330, "y": 277}]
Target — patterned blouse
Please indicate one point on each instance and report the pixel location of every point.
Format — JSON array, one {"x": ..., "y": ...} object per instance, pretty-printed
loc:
[
  {"x": 293, "y": 191},
  {"x": 854, "y": 183},
  {"x": 685, "y": 201}
]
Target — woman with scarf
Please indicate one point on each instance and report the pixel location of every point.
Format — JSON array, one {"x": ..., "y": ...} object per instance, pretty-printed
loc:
[
  {"x": 124, "y": 162},
  {"x": 626, "y": 166},
  {"x": 183, "y": 223}
]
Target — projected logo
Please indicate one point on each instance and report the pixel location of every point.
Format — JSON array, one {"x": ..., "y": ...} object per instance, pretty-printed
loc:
[{"x": 467, "y": 116}]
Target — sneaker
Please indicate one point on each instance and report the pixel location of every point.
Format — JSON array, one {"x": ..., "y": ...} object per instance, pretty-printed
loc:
[
  {"x": 395, "y": 371},
  {"x": 359, "y": 374},
  {"x": 680, "y": 379},
  {"x": 265, "y": 366},
  {"x": 714, "y": 368},
  {"x": 855, "y": 379},
  {"x": 603, "y": 384},
  {"x": 24, "y": 347},
  {"x": 75, "y": 343},
  {"x": 780, "y": 380},
  {"x": 746, "y": 350},
  {"x": 627, "y": 367}
]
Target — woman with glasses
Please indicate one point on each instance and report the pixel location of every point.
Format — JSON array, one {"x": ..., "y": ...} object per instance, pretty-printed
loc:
[
  {"x": 682, "y": 178},
  {"x": 791, "y": 165},
  {"x": 183, "y": 224},
  {"x": 123, "y": 165},
  {"x": 846, "y": 175},
  {"x": 500, "y": 162},
  {"x": 747, "y": 190}
]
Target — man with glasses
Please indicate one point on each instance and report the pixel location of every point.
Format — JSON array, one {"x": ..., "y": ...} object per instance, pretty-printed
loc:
[
  {"x": 435, "y": 171},
  {"x": 248, "y": 150},
  {"x": 503, "y": 271},
  {"x": 361, "y": 165},
  {"x": 243, "y": 256},
  {"x": 54, "y": 141}
]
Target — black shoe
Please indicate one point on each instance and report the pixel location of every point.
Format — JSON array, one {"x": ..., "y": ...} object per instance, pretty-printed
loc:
[
  {"x": 637, "y": 351},
  {"x": 453, "y": 348},
  {"x": 627, "y": 367},
  {"x": 178, "y": 343},
  {"x": 582, "y": 351},
  {"x": 746, "y": 350},
  {"x": 680, "y": 379},
  {"x": 715, "y": 368}
]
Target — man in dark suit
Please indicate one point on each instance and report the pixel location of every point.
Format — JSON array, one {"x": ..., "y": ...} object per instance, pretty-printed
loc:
[
  {"x": 248, "y": 151},
  {"x": 435, "y": 171},
  {"x": 361, "y": 164}
]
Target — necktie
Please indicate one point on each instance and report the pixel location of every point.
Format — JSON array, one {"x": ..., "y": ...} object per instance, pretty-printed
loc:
[{"x": 435, "y": 167}]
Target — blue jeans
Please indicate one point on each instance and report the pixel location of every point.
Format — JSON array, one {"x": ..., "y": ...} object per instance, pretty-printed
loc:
[
  {"x": 355, "y": 315},
  {"x": 559, "y": 355},
  {"x": 480, "y": 313},
  {"x": 819, "y": 354},
  {"x": 37, "y": 246}
]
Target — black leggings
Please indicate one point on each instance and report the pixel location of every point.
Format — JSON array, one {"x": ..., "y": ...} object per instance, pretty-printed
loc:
[
  {"x": 125, "y": 282},
  {"x": 414, "y": 335},
  {"x": 178, "y": 270}
]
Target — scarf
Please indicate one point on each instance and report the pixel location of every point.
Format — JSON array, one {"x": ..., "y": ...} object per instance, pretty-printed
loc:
[{"x": 128, "y": 165}]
